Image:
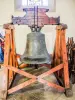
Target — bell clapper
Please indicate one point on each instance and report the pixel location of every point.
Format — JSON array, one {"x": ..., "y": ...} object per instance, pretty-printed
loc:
[{"x": 36, "y": 66}]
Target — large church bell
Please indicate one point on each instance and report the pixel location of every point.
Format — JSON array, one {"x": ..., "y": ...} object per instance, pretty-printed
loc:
[{"x": 35, "y": 51}]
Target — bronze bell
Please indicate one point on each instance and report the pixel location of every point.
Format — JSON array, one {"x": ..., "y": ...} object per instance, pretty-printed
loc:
[{"x": 36, "y": 52}]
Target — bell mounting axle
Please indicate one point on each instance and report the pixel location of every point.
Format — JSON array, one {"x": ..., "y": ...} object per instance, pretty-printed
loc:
[{"x": 36, "y": 17}]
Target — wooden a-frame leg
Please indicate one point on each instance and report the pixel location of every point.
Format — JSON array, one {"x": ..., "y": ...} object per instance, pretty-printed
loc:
[
  {"x": 3, "y": 92},
  {"x": 68, "y": 88},
  {"x": 65, "y": 61}
]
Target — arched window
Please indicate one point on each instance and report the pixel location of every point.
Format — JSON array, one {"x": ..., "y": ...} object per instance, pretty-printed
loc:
[
  {"x": 35, "y": 2},
  {"x": 49, "y": 4}
]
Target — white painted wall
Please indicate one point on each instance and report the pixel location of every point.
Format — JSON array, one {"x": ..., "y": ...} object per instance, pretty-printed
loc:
[{"x": 64, "y": 8}]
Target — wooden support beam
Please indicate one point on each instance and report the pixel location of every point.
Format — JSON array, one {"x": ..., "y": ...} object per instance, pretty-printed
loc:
[
  {"x": 21, "y": 72},
  {"x": 51, "y": 71},
  {"x": 65, "y": 61},
  {"x": 18, "y": 87},
  {"x": 59, "y": 88}
]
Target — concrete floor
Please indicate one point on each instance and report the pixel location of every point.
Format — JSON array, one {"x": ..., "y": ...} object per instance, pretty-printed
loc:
[{"x": 38, "y": 91}]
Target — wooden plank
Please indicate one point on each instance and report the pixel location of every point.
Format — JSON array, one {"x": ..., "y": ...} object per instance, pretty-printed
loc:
[
  {"x": 18, "y": 87},
  {"x": 65, "y": 61},
  {"x": 59, "y": 88},
  {"x": 56, "y": 55},
  {"x": 21, "y": 72},
  {"x": 57, "y": 47},
  {"x": 14, "y": 56},
  {"x": 10, "y": 62},
  {"x": 51, "y": 71}
]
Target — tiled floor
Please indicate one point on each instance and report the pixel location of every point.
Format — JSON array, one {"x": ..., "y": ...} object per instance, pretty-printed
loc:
[{"x": 39, "y": 91}]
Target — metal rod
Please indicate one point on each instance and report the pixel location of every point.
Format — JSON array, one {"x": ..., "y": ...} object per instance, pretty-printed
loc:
[
  {"x": 37, "y": 16},
  {"x": 34, "y": 16}
]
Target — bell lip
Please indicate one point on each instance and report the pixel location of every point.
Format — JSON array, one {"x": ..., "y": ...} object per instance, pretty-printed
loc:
[
  {"x": 44, "y": 61},
  {"x": 36, "y": 62},
  {"x": 31, "y": 57}
]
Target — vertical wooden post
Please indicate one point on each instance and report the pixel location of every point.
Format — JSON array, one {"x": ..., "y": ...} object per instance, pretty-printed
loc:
[
  {"x": 6, "y": 62},
  {"x": 10, "y": 61},
  {"x": 65, "y": 60}
]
